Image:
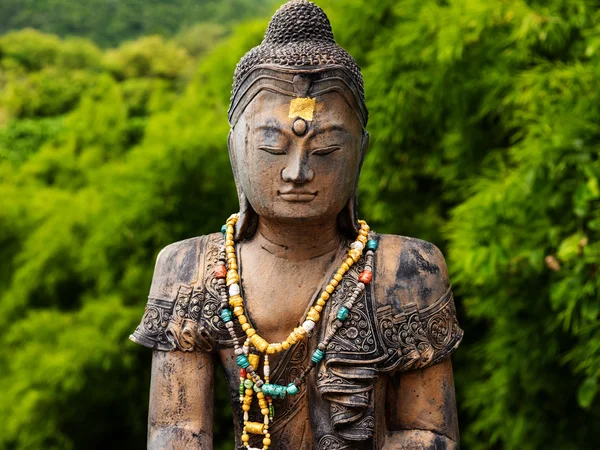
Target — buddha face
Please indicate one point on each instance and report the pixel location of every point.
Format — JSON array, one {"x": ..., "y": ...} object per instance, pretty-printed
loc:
[{"x": 295, "y": 169}]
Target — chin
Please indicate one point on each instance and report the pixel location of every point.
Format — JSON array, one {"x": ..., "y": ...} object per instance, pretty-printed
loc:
[{"x": 300, "y": 212}]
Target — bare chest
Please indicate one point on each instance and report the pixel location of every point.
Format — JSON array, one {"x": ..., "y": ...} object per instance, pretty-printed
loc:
[{"x": 278, "y": 293}]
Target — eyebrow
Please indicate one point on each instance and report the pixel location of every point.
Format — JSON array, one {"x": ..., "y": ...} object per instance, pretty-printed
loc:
[
  {"x": 270, "y": 128},
  {"x": 328, "y": 129},
  {"x": 310, "y": 135}
]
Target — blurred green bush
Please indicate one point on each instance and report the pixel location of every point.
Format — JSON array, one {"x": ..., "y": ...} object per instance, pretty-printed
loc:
[{"x": 485, "y": 140}]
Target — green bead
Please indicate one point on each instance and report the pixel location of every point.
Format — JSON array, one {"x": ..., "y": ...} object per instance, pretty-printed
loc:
[
  {"x": 242, "y": 361},
  {"x": 248, "y": 384},
  {"x": 226, "y": 315},
  {"x": 280, "y": 391},
  {"x": 224, "y": 229},
  {"x": 342, "y": 313},
  {"x": 372, "y": 244},
  {"x": 271, "y": 411},
  {"x": 242, "y": 390},
  {"x": 317, "y": 356},
  {"x": 292, "y": 389}
]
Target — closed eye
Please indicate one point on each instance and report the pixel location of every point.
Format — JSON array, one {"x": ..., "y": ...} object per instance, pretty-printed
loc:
[
  {"x": 326, "y": 150},
  {"x": 272, "y": 150}
]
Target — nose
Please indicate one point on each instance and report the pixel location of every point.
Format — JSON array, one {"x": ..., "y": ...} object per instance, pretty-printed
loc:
[{"x": 296, "y": 169}]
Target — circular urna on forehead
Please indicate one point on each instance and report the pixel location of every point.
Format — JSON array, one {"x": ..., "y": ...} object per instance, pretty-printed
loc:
[{"x": 300, "y": 127}]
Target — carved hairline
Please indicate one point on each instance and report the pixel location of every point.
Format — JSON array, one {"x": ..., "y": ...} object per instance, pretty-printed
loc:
[{"x": 280, "y": 80}]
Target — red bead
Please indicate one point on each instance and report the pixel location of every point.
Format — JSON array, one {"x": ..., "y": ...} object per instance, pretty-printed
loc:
[
  {"x": 365, "y": 276},
  {"x": 220, "y": 272},
  {"x": 242, "y": 373}
]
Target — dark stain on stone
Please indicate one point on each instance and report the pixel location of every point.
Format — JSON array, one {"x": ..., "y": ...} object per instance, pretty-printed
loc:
[
  {"x": 440, "y": 442},
  {"x": 422, "y": 264}
]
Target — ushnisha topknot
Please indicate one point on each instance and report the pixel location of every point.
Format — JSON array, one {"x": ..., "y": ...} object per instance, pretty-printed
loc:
[{"x": 298, "y": 39}]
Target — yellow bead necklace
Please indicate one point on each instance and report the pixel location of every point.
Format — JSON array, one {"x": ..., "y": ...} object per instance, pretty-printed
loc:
[{"x": 314, "y": 314}]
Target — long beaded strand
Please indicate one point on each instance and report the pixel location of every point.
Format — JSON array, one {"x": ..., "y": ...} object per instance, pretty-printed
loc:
[{"x": 250, "y": 382}]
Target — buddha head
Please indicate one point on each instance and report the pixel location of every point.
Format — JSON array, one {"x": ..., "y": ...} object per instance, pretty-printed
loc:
[{"x": 298, "y": 118}]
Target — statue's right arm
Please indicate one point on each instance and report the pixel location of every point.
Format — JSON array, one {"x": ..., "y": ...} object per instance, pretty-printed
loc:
[
  {"x": 181, "y": 401},
  {"x": 182, "y": 382}
]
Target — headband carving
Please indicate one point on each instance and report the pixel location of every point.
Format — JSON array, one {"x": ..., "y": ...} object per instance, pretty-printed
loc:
[{"x": 299, "y": 39}]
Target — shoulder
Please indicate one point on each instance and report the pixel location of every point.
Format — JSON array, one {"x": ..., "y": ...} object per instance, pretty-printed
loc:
[
  {"x": 174, "y": 303},
  {"x": 415, "y": 307},
  {"x": 178, "y": 264},
  {"x": 413, "y": 270}
]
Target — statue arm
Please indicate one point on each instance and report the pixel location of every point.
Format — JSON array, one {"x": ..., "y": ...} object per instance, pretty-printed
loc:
[
  {"x": 420, "y": 401},
  {"x": 421, "y": 409},
  {"x": 181, "y": 401}
]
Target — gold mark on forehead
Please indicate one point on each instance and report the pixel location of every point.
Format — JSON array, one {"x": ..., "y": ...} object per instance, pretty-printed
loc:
[{"x": 303, "y": 108}]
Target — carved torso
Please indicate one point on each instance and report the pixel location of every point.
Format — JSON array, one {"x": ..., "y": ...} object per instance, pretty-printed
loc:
[{"x": 405, "y": 320}]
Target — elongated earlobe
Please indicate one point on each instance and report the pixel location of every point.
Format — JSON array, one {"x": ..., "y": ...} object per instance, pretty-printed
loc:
[
  {"x": 248, "y": 220},
  {"x": 348, "y": 217}
]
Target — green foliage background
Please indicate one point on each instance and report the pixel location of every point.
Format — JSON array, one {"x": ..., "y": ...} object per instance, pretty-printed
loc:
[{"x": 485, "y": 125}]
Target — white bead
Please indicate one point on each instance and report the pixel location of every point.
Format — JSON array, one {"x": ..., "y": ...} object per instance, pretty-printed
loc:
[
  {"x": 239, "y": 351},
  {"x": 266, "y": 420},
  {"x": 308, "y": 325},
  {"x": 357, "y": 245},
  {"x": 234, "y": 289},
  {"x": 245, "y": 416},
  {"x": 267, "y": 371},
  {"x": 246, "y": 350}
]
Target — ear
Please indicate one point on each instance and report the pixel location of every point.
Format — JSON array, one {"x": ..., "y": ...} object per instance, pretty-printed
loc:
[
  {"x": 248, "y": 219},
  {"x": 348, "y": 218}
]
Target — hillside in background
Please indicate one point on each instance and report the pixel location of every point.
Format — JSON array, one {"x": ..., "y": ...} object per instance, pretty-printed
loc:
[{"x": 110, "y": 22}]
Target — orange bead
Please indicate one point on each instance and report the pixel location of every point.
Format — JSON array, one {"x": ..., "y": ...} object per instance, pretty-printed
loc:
[
  {"x": 220, "y": 272},
  {"x": 365, "y": 276}
]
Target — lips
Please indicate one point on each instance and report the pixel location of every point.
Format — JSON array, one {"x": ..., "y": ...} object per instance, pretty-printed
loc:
[{"x": 296, "y": 195}]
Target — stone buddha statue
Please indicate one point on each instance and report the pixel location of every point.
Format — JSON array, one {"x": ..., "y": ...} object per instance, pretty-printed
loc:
[{"x": 331, "y": 335}]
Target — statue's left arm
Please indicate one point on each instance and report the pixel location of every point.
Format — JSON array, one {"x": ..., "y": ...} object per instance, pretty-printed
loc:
[
  {"x": 420, "y": 401},
  {"x": 421, "y": 409}
]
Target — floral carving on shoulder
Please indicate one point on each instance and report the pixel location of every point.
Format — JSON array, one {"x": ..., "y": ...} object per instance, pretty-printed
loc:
[
  {"x": 416, "y": 339},
  {"x": 151, "y": 331},
  {"x": 210, "y": 323},
  {"x": 357, "y": 334}
]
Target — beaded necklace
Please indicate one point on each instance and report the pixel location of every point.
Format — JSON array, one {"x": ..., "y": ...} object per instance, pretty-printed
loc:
[{"x": 248, "y": 355}]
